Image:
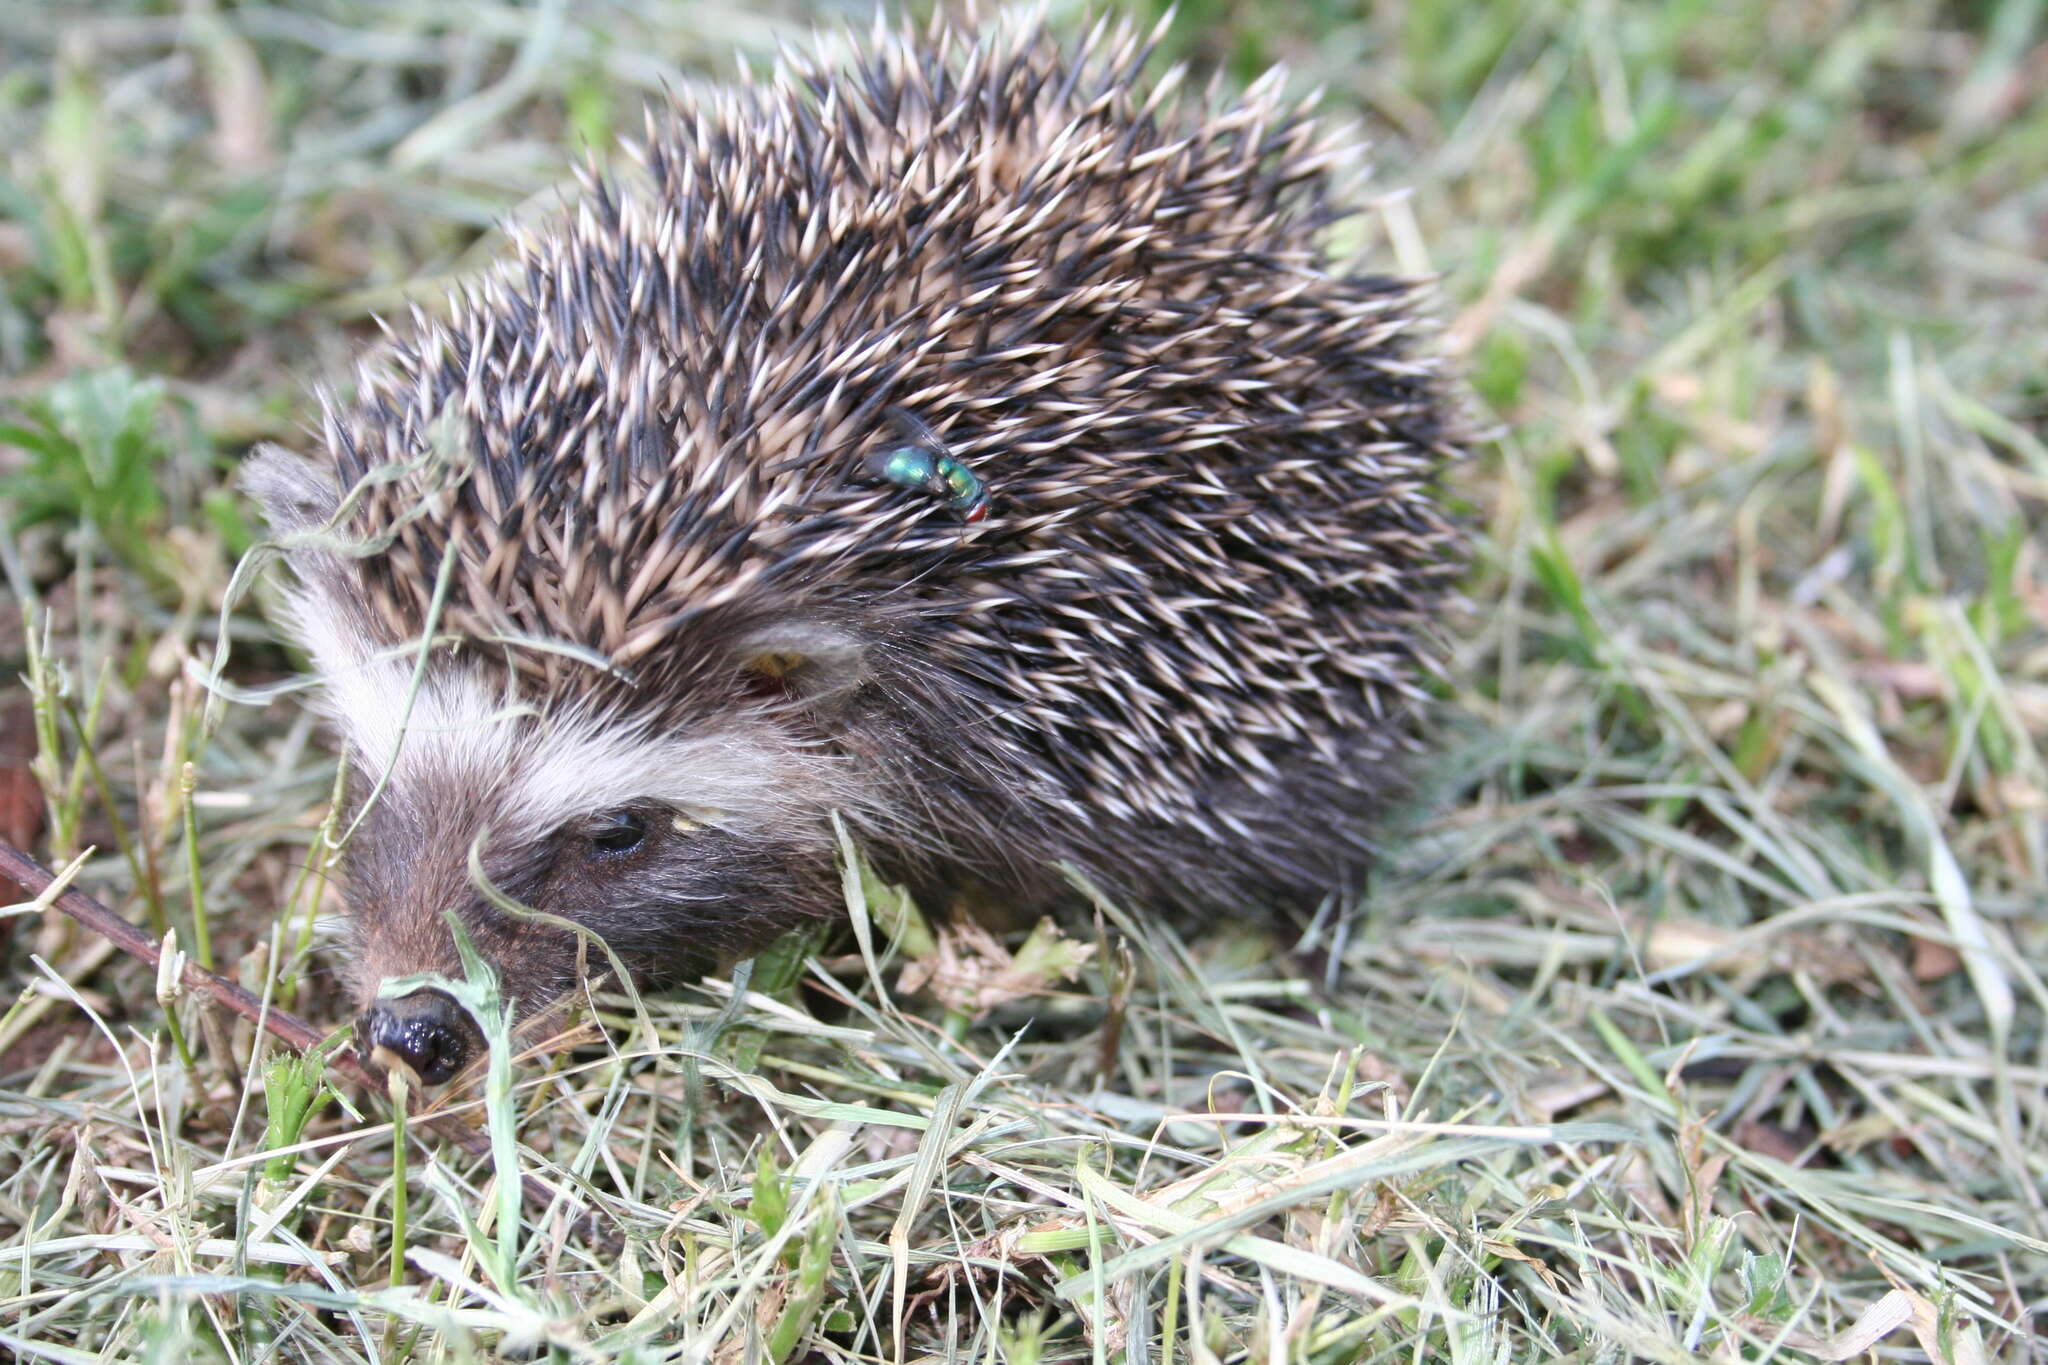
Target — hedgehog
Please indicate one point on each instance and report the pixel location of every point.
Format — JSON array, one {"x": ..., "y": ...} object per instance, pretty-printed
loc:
[{"x": 967, "y": 448}]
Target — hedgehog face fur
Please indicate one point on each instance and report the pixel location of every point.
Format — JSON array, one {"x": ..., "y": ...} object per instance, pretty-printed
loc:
[{"x": 972, "y": 441}]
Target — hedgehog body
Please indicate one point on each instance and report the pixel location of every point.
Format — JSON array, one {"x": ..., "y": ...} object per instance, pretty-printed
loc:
[{"x": 971, "y": 440}]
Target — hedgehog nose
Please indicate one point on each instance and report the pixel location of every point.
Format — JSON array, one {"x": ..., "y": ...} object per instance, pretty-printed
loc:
[{"x": 426, "y": 1030}]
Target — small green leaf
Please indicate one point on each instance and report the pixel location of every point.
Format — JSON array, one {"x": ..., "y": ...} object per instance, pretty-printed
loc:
[{"x": 770, "y": 1205}]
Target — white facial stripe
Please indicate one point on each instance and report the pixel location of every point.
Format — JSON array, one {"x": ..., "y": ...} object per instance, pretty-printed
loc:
[
  {"x": 451, "y": 721},
  {"x": 539, "y": 774},
  {"x": 581, "y": 769}
]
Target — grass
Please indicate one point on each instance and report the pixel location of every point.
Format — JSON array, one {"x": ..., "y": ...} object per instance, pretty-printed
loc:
[{"x": 1696, "y": 1013}]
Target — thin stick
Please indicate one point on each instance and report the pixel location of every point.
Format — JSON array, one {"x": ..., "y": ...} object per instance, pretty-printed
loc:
[{"x": 33, "y": 878}]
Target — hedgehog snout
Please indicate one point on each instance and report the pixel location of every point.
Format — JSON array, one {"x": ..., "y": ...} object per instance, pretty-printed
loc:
[{"x": 425, "y": 1030}]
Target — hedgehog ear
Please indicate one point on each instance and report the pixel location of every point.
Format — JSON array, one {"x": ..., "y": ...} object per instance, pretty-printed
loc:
[
  {"x": 295, "y": 494},
  {"x": 814, "y": 663}
]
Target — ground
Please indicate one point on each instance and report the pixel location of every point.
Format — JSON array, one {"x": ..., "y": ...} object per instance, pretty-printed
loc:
[{"x": 1696, "y": 1011}]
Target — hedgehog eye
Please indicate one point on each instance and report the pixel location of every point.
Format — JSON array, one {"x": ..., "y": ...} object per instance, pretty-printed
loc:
[{"x": 619, "y": 832}]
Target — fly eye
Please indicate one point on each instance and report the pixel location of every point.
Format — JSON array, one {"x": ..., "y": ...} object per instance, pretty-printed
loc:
[{"x": 619, "y": 832}]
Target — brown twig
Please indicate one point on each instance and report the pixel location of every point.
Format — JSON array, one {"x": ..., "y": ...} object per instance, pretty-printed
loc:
[{"x": 34, "y": 879}]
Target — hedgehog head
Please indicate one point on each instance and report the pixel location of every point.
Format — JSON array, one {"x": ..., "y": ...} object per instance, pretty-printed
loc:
[{"x": 675, "y": 823}]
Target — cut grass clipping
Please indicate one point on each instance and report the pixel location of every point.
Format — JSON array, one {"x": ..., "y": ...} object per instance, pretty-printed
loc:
[{"x": 1696, "y": 1011}]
